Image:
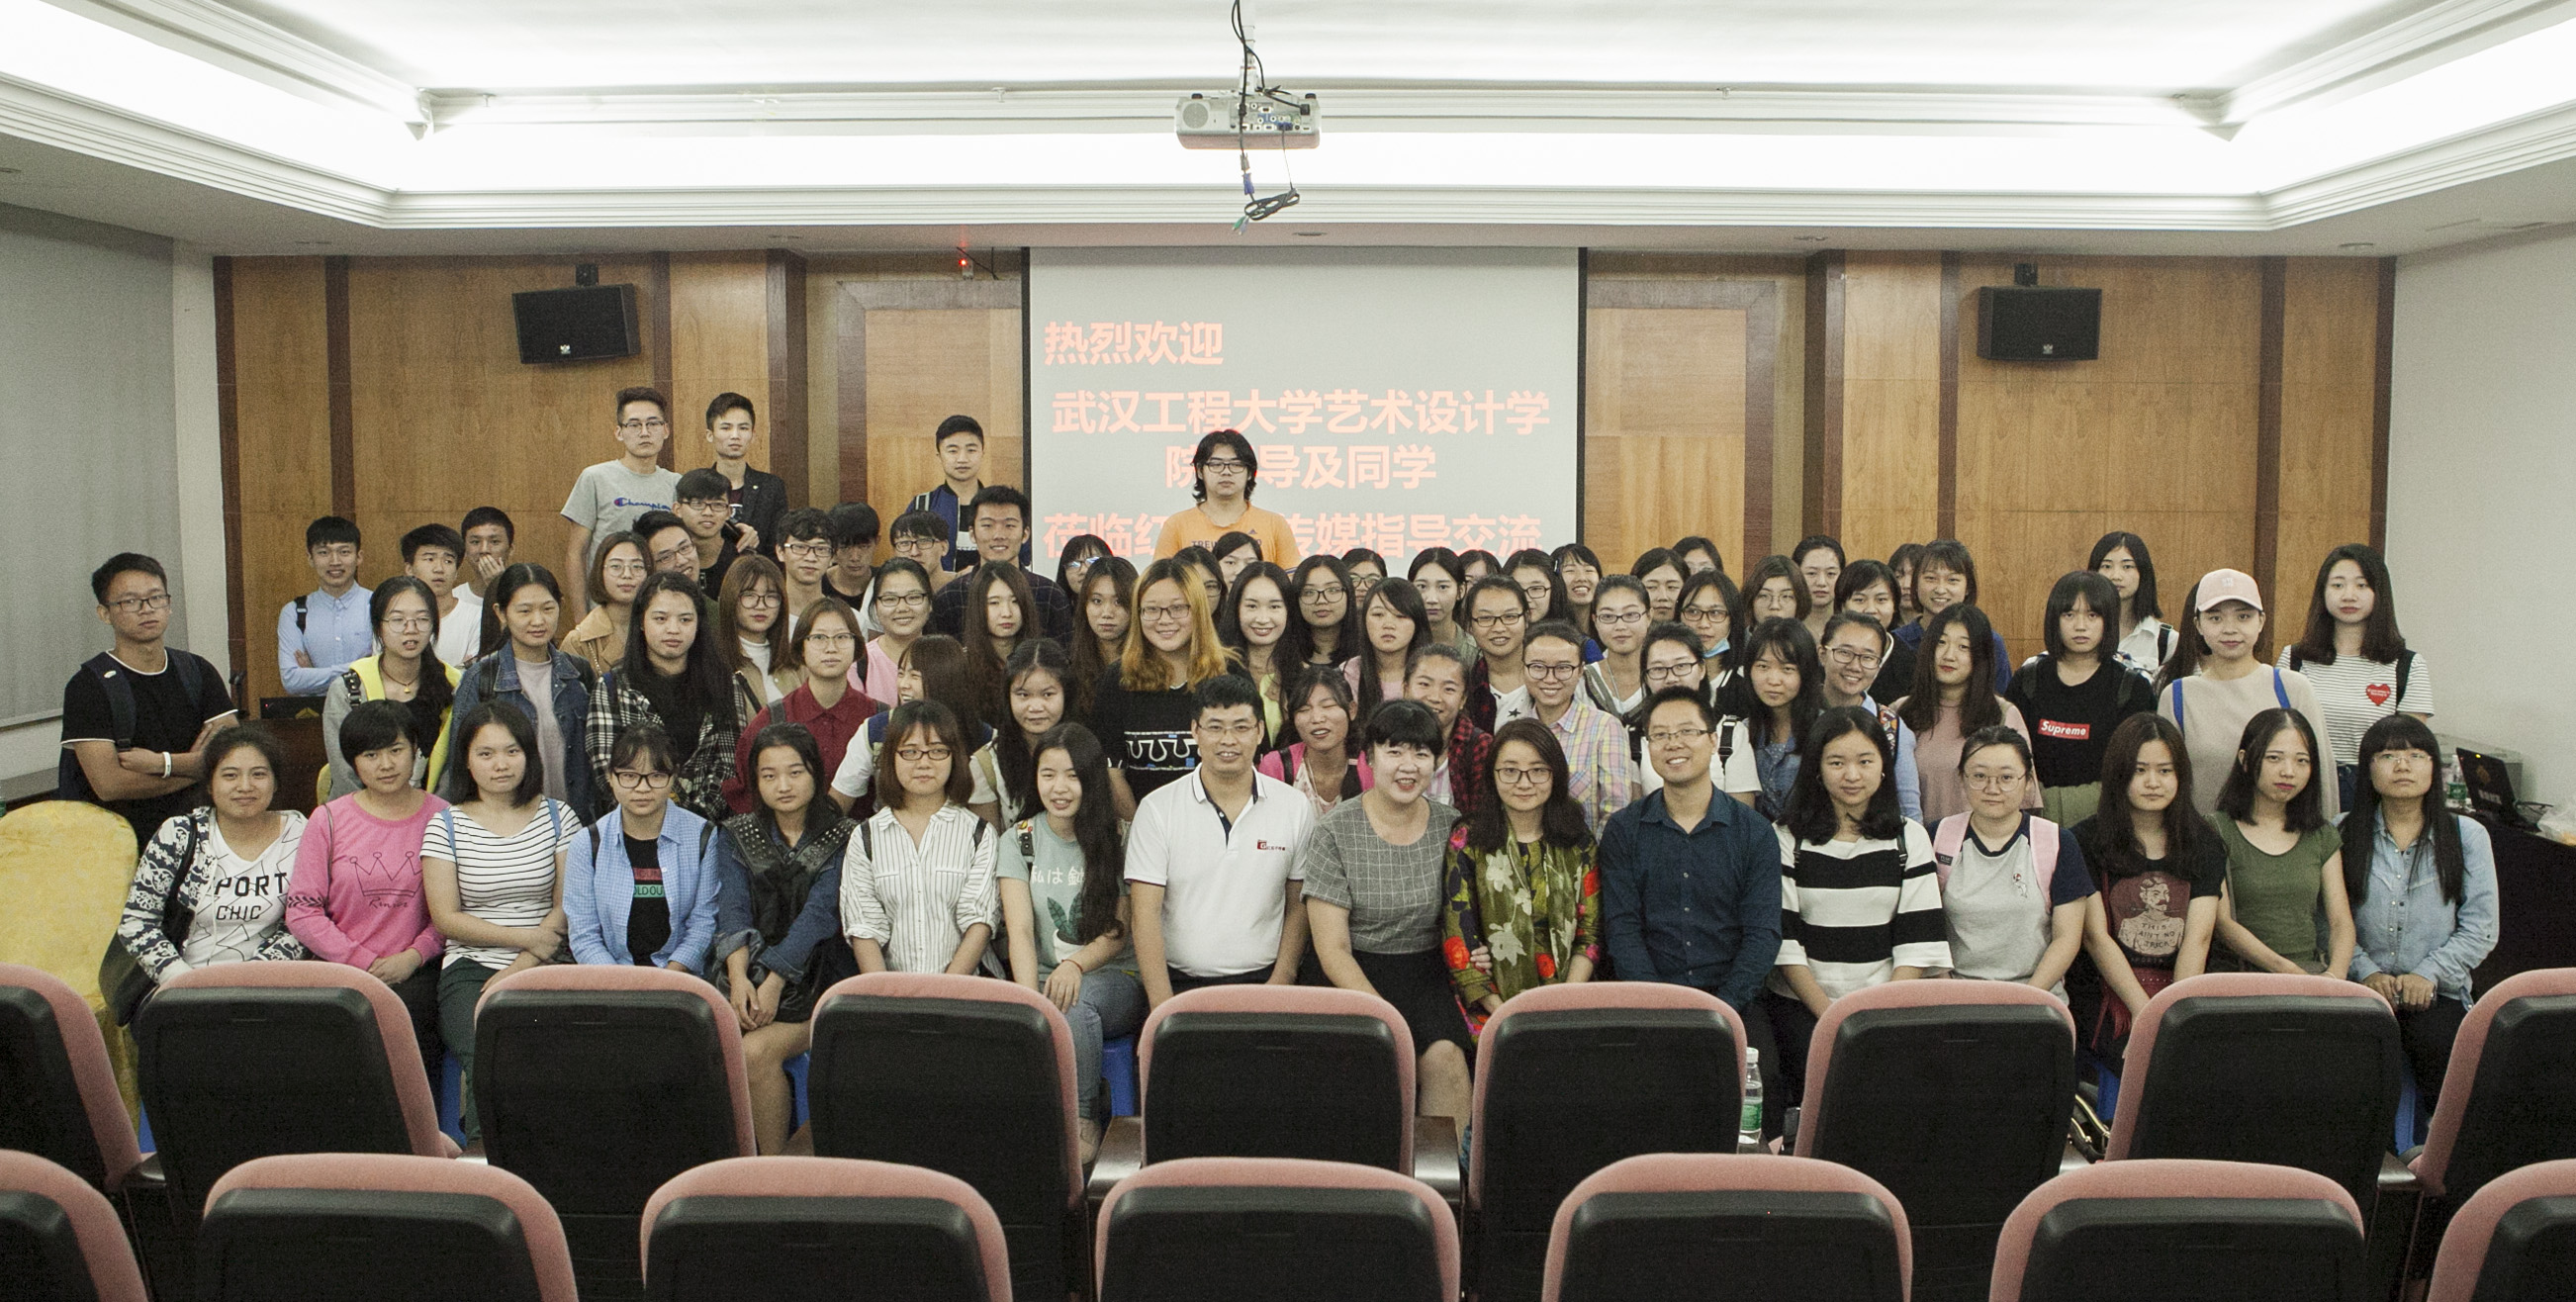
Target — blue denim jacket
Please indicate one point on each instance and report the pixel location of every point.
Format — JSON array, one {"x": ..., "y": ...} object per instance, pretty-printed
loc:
[
  {"x": 2403, "y": 924},
  {"x": 572, "y": 708}
]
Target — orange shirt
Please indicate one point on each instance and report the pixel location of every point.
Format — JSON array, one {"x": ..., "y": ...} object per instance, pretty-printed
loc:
[{"x": 1192, "y": 528}]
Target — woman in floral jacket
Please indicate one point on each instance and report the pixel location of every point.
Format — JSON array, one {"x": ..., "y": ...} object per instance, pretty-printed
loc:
[{"x": 1524, "y": 906}]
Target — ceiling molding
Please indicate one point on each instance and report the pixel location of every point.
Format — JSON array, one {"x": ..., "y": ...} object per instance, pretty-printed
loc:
[
  {"x": 227, "y": 38},
  {"x": 47, "y": 116},
  {"x": 2533, "y": 140},
  {"x": 2427, "y": 38}
]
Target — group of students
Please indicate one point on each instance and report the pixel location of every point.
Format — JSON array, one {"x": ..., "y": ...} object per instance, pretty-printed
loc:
[{"x": 1240, "y": 765}]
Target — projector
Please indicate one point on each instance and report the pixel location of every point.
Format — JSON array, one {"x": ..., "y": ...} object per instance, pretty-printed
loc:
[{"x": 1208, "y": 121}]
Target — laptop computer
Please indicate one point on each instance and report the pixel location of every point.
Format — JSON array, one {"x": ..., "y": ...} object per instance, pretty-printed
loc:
[{"x": 2490, "y": 787}]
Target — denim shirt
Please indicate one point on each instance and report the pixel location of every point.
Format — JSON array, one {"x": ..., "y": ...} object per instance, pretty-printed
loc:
[
  {"x": 599, "y": 890},
  {"x": 571, "y": 704},
  {"x": 2403, "y": 925}
]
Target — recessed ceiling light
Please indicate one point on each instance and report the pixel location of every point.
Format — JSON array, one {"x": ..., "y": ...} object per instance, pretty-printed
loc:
[
  {"x": 1809, "y": 239},
  {"x": 1307, "y": 234},
  {"x": 2356, "y": 246}
]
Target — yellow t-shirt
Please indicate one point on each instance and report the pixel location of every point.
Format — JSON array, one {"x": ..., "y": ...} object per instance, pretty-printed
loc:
[{"x": 1192, "y": 528}]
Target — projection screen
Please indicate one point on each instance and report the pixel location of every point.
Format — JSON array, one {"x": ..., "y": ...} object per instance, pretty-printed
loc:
[{"x": 1398, "y": 399}]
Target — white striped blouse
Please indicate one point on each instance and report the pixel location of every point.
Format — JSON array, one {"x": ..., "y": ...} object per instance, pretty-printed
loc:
[{"x": 919, "y": 900}]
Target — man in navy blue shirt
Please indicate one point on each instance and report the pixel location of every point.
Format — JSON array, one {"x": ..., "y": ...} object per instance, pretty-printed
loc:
[
  {"x": 960, "y": 440},
  {"x": 1690, "y": 879}
]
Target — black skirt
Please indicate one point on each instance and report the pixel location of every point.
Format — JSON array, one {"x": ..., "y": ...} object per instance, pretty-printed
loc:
[{"x": 1418, "y": 985}]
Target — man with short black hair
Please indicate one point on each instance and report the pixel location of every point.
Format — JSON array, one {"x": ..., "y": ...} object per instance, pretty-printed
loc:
[
  {"x": 960, "y": 440},
  {"x": 320, "y": 633},
  {"x": 432, "y": 554},
  {"x": 1690, "y": 880},
  {"x": 854, "y": 554},
  {"x": 136, "y": 718},
  {"x": 804, "y": 556},
  {"x": 609, "y": 496},
  {"x": 998, "y": 519},
  {"x": 1212, "y": 869},
  {"x": 754, "y": 499},
  {"x": 922, "y": 538},
  {"x": 490, "y": 537},
  {"x": 668, "y": 544},
  {"x": 706, "y": 513}
]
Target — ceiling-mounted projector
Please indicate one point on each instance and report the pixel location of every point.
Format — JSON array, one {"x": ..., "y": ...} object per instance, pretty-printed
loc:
[{"x": 1268, "y": 121}]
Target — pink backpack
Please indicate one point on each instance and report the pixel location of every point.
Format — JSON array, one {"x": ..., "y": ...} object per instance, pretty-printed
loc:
[{"x": 1953, "y": 831}]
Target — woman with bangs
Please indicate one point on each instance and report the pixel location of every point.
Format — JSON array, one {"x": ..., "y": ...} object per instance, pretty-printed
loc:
[
  {"x": 1252, "y": 626},
  {"x": 752, "y": 628},
  {"x": 1579, "y": 571},
  {"x": 406, "y": 671},
  {"x": 2075, "y": 695},
  {"x": 2422, "y": 883},
  {"x": 902, "y": 611},
  {"x": 1074, "y": 563},
  {"x": 2355, "y": 658},
  {"x": 1773, "y": 589},
  {"x": 1035, "y": 698},
  {"x": 1779, "y": 694},
  {"x": 1946, "y": 576},
  {"x": 1712, "y": 609},
  {"x": 831, "y": 707},
  {"x": 619, "y": 564},
  {"x": 2158, "y": 866},
  {"x": 1320, "y": 760},
  {"x": 1321, "y": 630},
  {"x": 933, "y": 670},
  {"x": 1106, "y": 604},
  {"x": 1951, "y": 702},
  {"x": 1144, "y": 706},
  {"x": 917, "y": 885},
  {"x": 999, "y": 615},
  {"x": 1523, "y": 893},
  {"x": 1535, "y": 575},
  {"x": 2284, "y": 860},
  {"x": 1393, "y": 624}
]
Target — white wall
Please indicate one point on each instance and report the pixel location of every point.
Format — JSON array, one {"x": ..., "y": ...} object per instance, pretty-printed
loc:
[{"x": 2482, "y": 493}]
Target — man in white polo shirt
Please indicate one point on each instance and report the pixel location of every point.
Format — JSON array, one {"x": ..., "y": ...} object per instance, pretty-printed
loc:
[{"x": 1211, "y": 860}]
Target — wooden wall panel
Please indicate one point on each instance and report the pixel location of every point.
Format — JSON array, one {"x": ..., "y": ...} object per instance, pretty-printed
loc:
[
  {"x": 283, "y": 404},
  {"x": 449, "y": 419},
  {"x": 1663, "y": 427},
  {"x": 2329, "y": 359},
  {"x": 719, "y": 344},
  {"x": 1891, "y": 400},
  {"x": 924, "y": 365}
]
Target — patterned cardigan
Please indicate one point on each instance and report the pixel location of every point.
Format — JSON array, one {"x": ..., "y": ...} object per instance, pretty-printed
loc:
[
  {"x": 699, "y": 785},
  {"x": 158, "y": 874}
]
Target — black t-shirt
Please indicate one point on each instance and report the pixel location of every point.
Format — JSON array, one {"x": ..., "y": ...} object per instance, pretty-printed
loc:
[
  {"x": 2147, "y": 900},
  {"x": 164, "y": 719},
  {"x": 1147, "y": 734},
  {"x": 681, "y": 712},
  {"x": 648, "y": 919},
  {"x": 1895, "y": 679},
  {"x": 2070, "y": 727}
]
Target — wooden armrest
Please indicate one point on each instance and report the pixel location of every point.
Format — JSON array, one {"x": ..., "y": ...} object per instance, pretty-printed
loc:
[
  {"x": 2395, "y": 1177},
  {"x": 1121, "y": 1154},
  {"x": 1435, "y": 1157}
]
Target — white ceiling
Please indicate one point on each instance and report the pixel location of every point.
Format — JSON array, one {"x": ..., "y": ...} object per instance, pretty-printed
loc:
[{"x": 2291, "y": 126}]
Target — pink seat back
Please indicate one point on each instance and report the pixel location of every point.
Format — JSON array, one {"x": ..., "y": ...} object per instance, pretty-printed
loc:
[
  {"x": 942, "y": 985},
  {"x": 393, "y": 1028},
  {"x": 392, "y": 1173},
  {"x": 1896, "y": 995},
  {"x": 1280, "y": 1173},
  {"x": 2459, "y": 1092},
  {"x": 626, "y": 979},
  {"x": 94, "y": 1223},
  {"x": 1590, "y": 996},
  {"x": 1308, "y": 1001},
  {"x": 841, "y": 1177},
  {"x": 1718, "y": 1172},
  {"x": 2154, "y": 1178},
  {"x": 2456, "y": 1271},
  {"x": 85, "y": 1048},
  {"x": 2213, "y": 985}
]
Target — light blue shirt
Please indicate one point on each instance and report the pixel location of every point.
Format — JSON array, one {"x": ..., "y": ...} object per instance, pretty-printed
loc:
[
  {"x": 1778, "y": 764},
  {"x": 336, "y": 633},
  {"x": 599, "y": 890},
  {"x": 2403, "y": 924}
]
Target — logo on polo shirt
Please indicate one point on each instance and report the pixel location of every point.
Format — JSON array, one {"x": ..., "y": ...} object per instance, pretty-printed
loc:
[{"x": 2056, "y": 731}]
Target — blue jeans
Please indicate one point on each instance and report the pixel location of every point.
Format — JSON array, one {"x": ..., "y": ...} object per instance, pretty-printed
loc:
[{"x": 1112, "y": 1004}]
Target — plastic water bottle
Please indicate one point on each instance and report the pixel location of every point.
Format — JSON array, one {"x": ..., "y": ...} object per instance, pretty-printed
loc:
[{"x": 1748, "y": 1137}]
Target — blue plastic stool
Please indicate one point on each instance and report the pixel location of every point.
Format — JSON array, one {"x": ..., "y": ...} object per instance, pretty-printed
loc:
[
  {"x": 1118, "y": 1063},
  {"x": 2410, "y": 1103},
  {"x": 797, "y": 1112},
  {"x": 143, "y": 1131},
  {"x": 2107, "y": 1083},
  {"x": 451, "y": 1100}
]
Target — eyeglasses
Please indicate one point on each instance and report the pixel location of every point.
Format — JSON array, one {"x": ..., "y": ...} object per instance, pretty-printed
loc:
[
  {"x": 760, "y": 599},
  {"x": 1669, "y": 673},
  {"x": 1546, "y": 673},
  {"x": 810, "y": 550},
  {"x": 1674, "y": 736},
  {"x": 670, "y": 556},
  {"x": 1225, "y": 467},
  {"x": 1159, "y": 613},
  {"x": 917, "y": 754},
  {"x": 639, "y": 426},
  {"x": 903, "y": 600},
  {"x": 407, "y": 623},
  {"x": 831, "y": 639},
  {"x": 1231, "y": 731},
  {"x": 1623, "y": 617},
  {"x": 1498, "y": 620},
  {"x": 1986, "y": 781},
  {"x": 634, "y": 781},
  {"x": 1515, "y": 777},
  {"x": 705, "y": 504},
  {"x": 1333, "y": 593},
  {"x": 1853, "y": 657},
  {"x": 623, "y": 569},
  {"x": 2401, "y": 759},
  {"x": 148, "y": 601},
  {"x": 1702, "y": 614}
]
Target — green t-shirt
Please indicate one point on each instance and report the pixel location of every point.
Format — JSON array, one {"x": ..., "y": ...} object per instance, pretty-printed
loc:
[
  {"x": 1055, "y": 890},
  {"x": 2281, "y": 897}
]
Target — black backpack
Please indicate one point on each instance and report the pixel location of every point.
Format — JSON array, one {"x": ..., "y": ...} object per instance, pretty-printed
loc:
[{"x": 70, "y": 783}]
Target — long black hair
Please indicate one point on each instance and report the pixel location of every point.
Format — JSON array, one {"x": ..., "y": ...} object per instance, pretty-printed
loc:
[
  {"x": 1095, "y": 829},
  {"x": 1297, "y": 646},
  {"x": 504, "y": 590},
  {"x": 429, "y": 704},
  {"x": 2380, "y": 640},
  {"x": 1533, "y": 559},
  {"x": 820, "y": 814},
  {"x": 709, "y": 675},
  {"x": 1560, "y": 820},
  {"x": 1014, "y": 750},
  {"x": 1088, "y": 664},
  {"x": 1979, "y": 707},
  {"x": 1229, "y": 615},
  {"x": 2362, "y": 825},
  {"x": 1404, "y": 599},
  {"x": 2143, "y": 604},
  {"x": 2306, "y": 811},
  {"x": 1788, "y": 640},
  {"x": 1078, "y": 550},
  {"x": 1810, "y": 815},
  {"x": 461, "y": 786},
  {"x": 2185, "y": 831}
]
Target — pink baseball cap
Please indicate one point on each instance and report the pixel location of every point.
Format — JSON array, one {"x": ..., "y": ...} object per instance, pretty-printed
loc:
[{"x": 2226, "y": 585}]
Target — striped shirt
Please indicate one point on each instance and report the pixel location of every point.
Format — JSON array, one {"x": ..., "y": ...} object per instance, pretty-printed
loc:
[
  {"x": 1855, "y": 911},
  {"x": 2354, "y": 693},
  {"x": 919, "y": 900},
  {"x": 507, "y": 881}
]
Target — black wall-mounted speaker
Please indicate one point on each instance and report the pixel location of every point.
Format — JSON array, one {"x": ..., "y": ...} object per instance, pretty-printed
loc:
[
  {"x": 2016, "y": 324},
  {"x": 576, "y": 325}
]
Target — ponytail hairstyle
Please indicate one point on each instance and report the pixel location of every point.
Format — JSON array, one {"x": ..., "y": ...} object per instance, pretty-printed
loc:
[
  {"x": 2190, "y": 647},
  {"x": 2380, "y": 640},
  {"x": 505, "y": 589},
  {"x": 1979, "y": 707},
  {"x": 1095, "y": 829},
  {"x": 2361, "y": 826}
]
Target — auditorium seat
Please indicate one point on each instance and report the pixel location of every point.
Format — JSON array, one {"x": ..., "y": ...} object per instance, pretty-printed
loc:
[
  {"x": 1270, "y": 1229},
  {"x": 811, "y": 1227},
  {"x": 2514, "y": 1240},
  {"x": 1955, "y": 1095},
  {"x": 1687, "y": 1226},
  {"x": 1278, "y": 1071},
  {"x": 2510, "y": 1097},
  {"x": 340, "y": 1225},
  {"x": 2261, "y": 1067},
  {"x": 249, "y": 1060},
  {"x": 1572, "y": 1078},
  {"x": 599, "y": 1084},
  {"x": 58, "y": 1095},
  {"x": 2163, "y": 1230},
  {"x": 962, "y": 1075},
  {"x": 59, "y": 1237}
]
